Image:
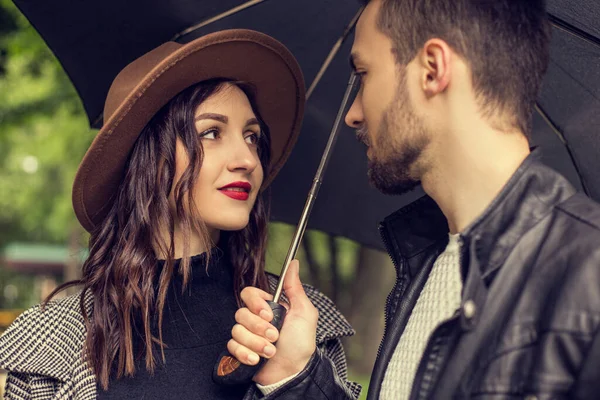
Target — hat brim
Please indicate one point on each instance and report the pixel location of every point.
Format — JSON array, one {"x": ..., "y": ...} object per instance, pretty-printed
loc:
[{"x": 243, "y": 55}]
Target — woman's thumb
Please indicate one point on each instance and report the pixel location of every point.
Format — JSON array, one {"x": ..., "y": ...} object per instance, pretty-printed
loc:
[{"x": 292, "y": 286}]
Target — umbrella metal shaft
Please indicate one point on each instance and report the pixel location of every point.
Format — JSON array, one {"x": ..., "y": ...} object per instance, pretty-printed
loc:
[{"x": 314, "y": 190}]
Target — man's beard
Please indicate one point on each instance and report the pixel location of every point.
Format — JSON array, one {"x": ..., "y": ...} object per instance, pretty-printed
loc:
[{"x": 394, "y": 167}]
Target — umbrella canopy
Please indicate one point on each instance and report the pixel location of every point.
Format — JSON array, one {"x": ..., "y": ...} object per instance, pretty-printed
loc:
[{"x": 95, "y": 40}]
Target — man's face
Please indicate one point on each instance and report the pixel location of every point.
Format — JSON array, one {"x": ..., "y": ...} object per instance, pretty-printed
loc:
[{"x": 383, "y": 112}]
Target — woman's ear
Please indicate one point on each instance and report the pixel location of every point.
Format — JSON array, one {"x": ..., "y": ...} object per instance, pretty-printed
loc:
[{"x": 434, "y": 61}]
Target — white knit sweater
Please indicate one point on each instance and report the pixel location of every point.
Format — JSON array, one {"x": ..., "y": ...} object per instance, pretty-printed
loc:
[{"x": 438, "y": 301}]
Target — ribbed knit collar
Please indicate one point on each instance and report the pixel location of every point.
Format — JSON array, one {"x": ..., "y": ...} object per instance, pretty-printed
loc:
[
  {"x": 218, "y": 268},
  {"x": 203, "y": 311}
]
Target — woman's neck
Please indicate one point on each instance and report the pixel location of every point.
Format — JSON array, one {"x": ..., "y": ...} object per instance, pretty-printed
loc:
[{"x": 197, "y": 245}]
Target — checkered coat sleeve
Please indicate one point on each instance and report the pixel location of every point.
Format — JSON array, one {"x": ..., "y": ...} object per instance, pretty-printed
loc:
[{"x": 43, "y": 351}]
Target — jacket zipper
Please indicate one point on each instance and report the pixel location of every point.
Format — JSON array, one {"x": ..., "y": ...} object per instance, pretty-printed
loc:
[
  {"x": 439, "y": 341},
  {"x": 389, "y": 297}
]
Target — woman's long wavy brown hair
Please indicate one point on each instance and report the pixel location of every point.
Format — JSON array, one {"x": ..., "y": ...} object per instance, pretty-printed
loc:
[{"x": 121, "y": 271}]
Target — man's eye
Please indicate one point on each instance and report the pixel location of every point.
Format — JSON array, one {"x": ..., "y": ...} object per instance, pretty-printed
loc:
[
  {"x": 361, "y": 78},
  {"x": 210, "y": 134}
]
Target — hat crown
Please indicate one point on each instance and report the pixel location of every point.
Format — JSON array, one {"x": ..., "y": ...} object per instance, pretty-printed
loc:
[{"x": 131, "y": 76}]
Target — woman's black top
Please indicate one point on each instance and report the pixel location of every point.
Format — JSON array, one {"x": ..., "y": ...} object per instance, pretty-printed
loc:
[{"x": 196, "y": 328}]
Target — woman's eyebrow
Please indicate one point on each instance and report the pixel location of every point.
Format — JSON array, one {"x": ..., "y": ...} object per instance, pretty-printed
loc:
[
  {"x": 213, "y": 116},
  {"x": 252, "y": 121}
]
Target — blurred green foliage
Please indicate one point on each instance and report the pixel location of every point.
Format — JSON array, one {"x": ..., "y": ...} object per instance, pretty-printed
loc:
[
  {"x": 43, "y": 136},
  {"x": 23, "y": 286}
]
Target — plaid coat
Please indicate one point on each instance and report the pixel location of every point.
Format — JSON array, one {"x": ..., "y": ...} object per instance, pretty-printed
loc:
[{"x": 42, "y": 350}]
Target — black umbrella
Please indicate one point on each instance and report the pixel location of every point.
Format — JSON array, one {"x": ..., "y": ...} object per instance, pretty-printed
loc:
[{"x": 95, "y": 40}]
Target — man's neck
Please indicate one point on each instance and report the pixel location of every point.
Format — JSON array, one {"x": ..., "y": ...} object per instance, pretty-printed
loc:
[{"x": 472, "y": 172}]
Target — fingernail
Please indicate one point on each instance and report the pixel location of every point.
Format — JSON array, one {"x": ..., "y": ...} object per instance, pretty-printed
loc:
[
  {"x": 271, "y": 334},
  {"x": 269, "y": 350},
  {"x": 253, "y": 358},
  {"x": 264, "y": 314}
]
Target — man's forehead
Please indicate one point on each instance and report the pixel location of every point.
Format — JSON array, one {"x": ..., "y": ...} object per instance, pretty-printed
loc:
[
  {"x": 366, "y": 28},
  {"x": 362, "y": 47},
  {"x": 369, "y": 15}
]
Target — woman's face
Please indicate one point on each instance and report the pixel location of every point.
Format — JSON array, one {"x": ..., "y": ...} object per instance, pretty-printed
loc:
[{"x": 231, "y": 173}]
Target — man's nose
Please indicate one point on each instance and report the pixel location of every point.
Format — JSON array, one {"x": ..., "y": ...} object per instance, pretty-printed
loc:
[{"x": 354, "y": 116}]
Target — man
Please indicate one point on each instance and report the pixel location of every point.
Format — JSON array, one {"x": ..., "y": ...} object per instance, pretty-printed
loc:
[{"x": 498, "y": 289}]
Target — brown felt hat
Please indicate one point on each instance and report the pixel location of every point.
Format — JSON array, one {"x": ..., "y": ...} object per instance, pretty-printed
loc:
[{"x": 143, "y": 87}]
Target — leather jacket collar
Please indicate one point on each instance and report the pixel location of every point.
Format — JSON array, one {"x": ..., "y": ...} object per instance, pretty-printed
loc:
[{"x": 524, "y": 200}]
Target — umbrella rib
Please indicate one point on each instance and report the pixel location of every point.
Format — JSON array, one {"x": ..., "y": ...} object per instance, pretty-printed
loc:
[
  {"x": 562, "y": 138},
  {"x": 216, "y": 18},
  {"x": 574, "y": 79},
  {"x": 334, "y": 50},
  {"x": 98, "y": 121},
  {"x": 573, "y": 30}
]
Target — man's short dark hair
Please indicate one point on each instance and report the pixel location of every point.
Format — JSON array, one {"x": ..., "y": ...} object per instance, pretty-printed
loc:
[{"x": 505, "y": 42}]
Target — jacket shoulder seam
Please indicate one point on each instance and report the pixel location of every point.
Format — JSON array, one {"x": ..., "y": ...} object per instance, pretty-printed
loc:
[{"x": 578, "y": 218}]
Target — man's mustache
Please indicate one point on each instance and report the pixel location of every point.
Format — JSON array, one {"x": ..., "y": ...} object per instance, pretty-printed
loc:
[{"x": 362, "y": 135}]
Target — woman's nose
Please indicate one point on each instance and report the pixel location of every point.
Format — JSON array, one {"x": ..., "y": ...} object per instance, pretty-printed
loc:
[
  {"x": 242, "y": 157},
  {"x": 354, "y": 116}
]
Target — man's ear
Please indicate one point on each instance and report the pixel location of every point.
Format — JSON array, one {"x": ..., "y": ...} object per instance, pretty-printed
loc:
[{"x": 434, "y": 61}]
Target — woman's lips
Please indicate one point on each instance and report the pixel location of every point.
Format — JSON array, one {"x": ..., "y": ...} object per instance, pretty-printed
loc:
[
  {"x": 235, "y": 193},
  {"x": 237, "y": 190}
]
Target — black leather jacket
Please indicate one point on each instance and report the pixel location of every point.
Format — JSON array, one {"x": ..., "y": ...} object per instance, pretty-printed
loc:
[{"x": 531, "y": 281}]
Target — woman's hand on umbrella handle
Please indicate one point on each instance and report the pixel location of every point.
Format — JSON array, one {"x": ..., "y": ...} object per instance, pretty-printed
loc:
[{"x": 253, "y": 335}]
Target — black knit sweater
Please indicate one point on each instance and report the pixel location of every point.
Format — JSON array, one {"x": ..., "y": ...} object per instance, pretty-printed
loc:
[{"x": 196, "y": 327}]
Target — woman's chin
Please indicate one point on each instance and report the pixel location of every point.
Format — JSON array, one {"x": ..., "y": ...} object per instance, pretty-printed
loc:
[{"x": 231, "y": 224}]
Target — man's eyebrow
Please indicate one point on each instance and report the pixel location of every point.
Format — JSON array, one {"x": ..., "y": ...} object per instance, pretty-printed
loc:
[
  {"x": 355, "y": 59},
  {"x": 216, "y": 117}
]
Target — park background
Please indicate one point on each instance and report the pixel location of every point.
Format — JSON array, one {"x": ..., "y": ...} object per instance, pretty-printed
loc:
[{"x": 44, "y": 134}]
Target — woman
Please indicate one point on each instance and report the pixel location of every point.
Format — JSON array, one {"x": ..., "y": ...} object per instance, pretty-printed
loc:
[{"x": 170, "y": 191}]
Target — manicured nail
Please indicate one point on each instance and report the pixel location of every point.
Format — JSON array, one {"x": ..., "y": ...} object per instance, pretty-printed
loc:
[
  {"x": 253, "y": 358},
  {"x": 264, "y": 314},
  {"x": 271, "y": 334},
  {"x": 269, "y": 350}
]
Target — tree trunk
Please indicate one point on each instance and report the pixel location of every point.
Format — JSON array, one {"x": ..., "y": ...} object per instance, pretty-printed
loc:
[
  {"x": 72, "y": 269},
  {"x": 374, "y": 278},
  {"x": 336, "y": 284},
  {"x": 316, "y": 278}
]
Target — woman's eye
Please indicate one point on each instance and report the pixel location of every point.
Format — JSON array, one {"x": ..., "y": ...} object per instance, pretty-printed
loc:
[
  {"x": 252, "y": 138},
  {"x": 210, "y": 134}
]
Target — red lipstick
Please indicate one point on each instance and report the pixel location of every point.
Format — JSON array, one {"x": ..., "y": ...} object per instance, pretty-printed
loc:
[{"x": 237, "y": 190}]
